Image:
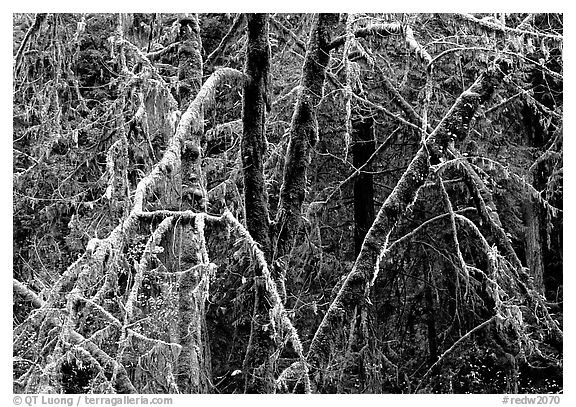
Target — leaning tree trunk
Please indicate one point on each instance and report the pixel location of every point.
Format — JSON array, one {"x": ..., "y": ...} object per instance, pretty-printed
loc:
[
  {"x": 259, "y": 361},
  {"x": 352, "y": 292},
  {"x": 303, "y": 136}
]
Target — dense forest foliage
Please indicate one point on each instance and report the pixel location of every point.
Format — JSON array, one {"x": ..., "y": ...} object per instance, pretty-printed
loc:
[{"x": 276, "y": 203}]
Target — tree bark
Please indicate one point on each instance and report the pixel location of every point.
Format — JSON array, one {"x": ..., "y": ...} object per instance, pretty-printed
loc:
[
  {"x": 189, "y": 59},
  {"x": 190, "y": 69},
  {"x": 303, "y": 134},
  {"x": 193, "y": 364},
  {"x": 258, "y": 362},
  {"x": 253, "y": 137},
  {"x": 534, "y": 244}
]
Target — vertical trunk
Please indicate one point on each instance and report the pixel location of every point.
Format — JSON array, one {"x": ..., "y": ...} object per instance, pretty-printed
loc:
[
  {"x": 193, "y": 364},
  {"x": 189, "y": 59},
  {"x": 259, "y": 361},
  {"x": 431, "y": 317},
  {"x": 533, "y": 243},
  {"x": 253, "y": 138},
  {"x": 362, "y": 150},
  {"x": 189, "y": 83},
  {"x": 303, "y": 132},
  {"x": 193, "y": 361}
]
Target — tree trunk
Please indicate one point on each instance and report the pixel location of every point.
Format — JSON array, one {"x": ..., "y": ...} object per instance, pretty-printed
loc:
[
  {"x": 303, "y": 135},
  {"x": 253, "y": 138},
  {"x": 258, "y": 362},
  {"x": 189, "y": 83},
  {"x": 430, "y": 316},
  {"x": 533, "y": 243},
  {"x": 193, "y": 365}
]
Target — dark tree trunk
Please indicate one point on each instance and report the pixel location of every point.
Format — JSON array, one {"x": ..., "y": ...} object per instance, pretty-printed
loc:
[
  {"x": 431, "y": 317},
  {"x": 253, "y": 137},
  {"x": 303, "y": 134},
  {"x": 363, "y": 148},
  {"x": 259, "y": 361},
  {"x": 534, "y": 244}
]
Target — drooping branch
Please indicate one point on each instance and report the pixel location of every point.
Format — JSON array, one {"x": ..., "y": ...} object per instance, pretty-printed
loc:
[
  {"x": 387, "y": 29},
  {"x": 122, "y": 381},
  {"x": 501, "y": 28},
  {"x": 451, "y": 349},
  {"x": 540, "y": 64},
  {"x": 386, "y": 112},
  {"x": 144, "y": 264}
]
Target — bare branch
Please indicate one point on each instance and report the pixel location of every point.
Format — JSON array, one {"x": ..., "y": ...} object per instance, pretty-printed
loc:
[{"x": 213, "y": 57}]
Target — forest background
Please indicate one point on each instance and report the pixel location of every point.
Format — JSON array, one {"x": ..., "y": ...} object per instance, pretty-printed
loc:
[{"x": 346, "y": 114}]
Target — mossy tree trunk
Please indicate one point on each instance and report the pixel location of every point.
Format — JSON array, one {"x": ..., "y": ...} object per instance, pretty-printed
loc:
[
  {"x": 193, "y": 365},
  {"x": 303, "y": 135},
  {"x": 253, "y": 136},
  {"x": 190, "y": 69},
  {"x": 259, "y": 361}
]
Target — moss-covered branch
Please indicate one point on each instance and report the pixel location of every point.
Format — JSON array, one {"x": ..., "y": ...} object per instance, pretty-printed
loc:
[
  {"x": 352, "y": 292},
  {"x": 387, "y": 29}
]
